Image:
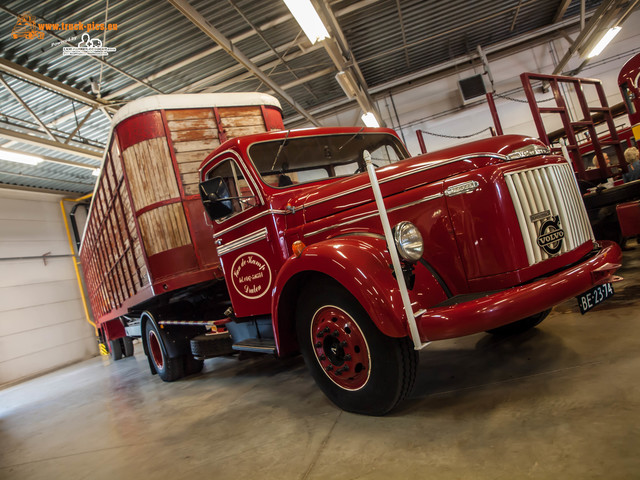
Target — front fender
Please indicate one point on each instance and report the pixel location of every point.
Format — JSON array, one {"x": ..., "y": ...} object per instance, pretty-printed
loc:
[{"x": 360, "y": 264}]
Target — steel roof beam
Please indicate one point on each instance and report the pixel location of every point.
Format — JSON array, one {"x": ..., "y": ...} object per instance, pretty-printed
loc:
[
  {"x": 209, "y": 51},
  {"x": 79, "y": 125},
  {"x": 51, "y": 84},
  {"x": 26, "y": 107},
  {"x": 214, "y": 34},
  {"x": 338, "y": 50},
  {"x": 601, "y": 18},
  {"x": 562, "y": 9},
  {"x": 92, "y": 57},
  {"x": 204, "y": 84},
  {"x": 45, "y": 143},
  {"x": 520, "y": 42}
]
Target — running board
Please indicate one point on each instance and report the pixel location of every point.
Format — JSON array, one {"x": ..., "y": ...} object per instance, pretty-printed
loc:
[{"x": 260, "y": 345}]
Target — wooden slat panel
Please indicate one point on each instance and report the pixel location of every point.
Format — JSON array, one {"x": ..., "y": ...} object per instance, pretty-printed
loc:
[
  {"x": 189, "y": 167},
  {"x": 254, "y": 111},
  {"x": 209, "y": 145},
  {"x": 150, "y": 172},
  {"x": 190, "y": 135},
  {"x": 164, "y": 228},
  {"x": 241, "y": 131},
  {"x": 242, "y": 121},
  {"x": 187, "y": 114},
  {"x": 191, "y": 188},
  {"x": 195, "y": 156},
  {"x": 189, "y": 178},
  {"x": 197, "y": 124}
]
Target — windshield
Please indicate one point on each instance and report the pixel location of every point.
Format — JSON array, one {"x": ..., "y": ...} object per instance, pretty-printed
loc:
[{"x": 292, "y": 161}]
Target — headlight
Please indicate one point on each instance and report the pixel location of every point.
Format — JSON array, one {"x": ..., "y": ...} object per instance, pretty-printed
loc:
[{"x": 408, "y": 241}]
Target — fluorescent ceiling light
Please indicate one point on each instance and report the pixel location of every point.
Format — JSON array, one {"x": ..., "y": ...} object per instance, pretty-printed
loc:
[
  {"x": 604, "y": 41},
  {"x": 370, "y": 120},
  {"x": 346, "y": 82},
  {"x": 19, "y": 157},
  {"x": 96, "y": 172},
  {"x": 308, "y": 18}
]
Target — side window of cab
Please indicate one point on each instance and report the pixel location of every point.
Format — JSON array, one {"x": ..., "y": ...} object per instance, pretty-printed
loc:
[{"x": 226, "y": 192}]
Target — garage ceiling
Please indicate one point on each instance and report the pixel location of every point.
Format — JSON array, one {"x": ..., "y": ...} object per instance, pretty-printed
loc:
[{"x": 49, "y": 107}]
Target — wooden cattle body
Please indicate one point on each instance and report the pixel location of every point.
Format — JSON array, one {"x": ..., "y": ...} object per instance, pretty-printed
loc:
[{"x": 146, "y": 233}]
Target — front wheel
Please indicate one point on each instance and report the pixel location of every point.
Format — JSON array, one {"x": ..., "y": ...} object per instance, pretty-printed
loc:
[
  {"x": 360, "y": 369},
  {"x": 168, "y": 369}
]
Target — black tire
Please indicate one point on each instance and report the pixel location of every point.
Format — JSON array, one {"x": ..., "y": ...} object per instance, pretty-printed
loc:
[
  {"x": 127, "y": 346},
  {"x": 168, "y": 369},
  {"x": 521, "y": 325},
  {"x": 335, "y": 333},
  {"x": 115, "y": 348},
  {"x": 191, "y": 365}
]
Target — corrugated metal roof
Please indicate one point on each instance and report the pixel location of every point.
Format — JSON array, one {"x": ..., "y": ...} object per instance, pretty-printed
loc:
[{"x": 388, "y": 38}]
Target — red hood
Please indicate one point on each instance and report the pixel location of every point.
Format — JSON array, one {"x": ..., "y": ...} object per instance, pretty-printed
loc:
[{"x": 410, "y": 173}]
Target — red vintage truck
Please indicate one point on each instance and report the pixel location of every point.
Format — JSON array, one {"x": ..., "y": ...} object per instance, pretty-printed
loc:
[{"x": 332, "y": 242}]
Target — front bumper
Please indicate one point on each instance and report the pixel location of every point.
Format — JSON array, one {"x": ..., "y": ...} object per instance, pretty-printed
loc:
[{"x": 516, "y": 303}]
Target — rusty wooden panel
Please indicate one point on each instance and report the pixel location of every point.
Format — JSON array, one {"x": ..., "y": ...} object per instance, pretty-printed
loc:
[
  {"x": 150, "y": 172},
  {"x": 190, "y": 167},
  {"x": 205, "y": 144},
  {"x": 196, "y": 124},
  {"x": 189, "y": 114},
  {"x": 191, "y": 135},
  {"x": 196, "y": 156},
  {"x": 164, "y": 228},
  {"x": 241, "y": 131},
  {"x": 191, "y": 188},
  {"x": 249, "y": 121},
  {"x": 189, "y": 178},
  {"x": 254, "y": 111}
]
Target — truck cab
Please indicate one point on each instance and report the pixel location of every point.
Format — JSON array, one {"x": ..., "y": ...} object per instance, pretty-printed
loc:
[
  {"x": 213, "y": 230},
  {"x": 490, "y": 235}
]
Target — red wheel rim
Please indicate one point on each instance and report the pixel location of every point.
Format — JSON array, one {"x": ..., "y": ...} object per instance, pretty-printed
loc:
[
  {"x": 156, "y": 349},
  {"x": 340, "y": 348}
]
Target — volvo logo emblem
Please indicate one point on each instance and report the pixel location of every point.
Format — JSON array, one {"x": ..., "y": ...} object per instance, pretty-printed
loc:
[{"x": 550, "y": 235}]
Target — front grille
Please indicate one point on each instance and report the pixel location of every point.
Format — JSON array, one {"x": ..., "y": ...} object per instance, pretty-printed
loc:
[{"x": 539, "y": 195}]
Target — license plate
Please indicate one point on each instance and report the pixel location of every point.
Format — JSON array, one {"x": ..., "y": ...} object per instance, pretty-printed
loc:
[{"x": 593, "y": 297}]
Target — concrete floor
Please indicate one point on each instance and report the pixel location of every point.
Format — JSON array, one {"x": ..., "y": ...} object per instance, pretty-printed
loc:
[{"x": 559, "y": 402}]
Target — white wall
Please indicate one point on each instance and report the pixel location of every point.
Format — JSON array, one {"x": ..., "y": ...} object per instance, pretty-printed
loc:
[
  {"x": 42, "y": 324},
  {"x": 436, "y": 107}
]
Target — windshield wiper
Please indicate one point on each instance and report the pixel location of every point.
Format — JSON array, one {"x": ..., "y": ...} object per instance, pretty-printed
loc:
[
  {"x": 275, "y": 160},
  {"x": 351, "y": 138}
]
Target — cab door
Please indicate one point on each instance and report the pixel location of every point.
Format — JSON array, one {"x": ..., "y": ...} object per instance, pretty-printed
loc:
[{"x": 244, "y": 233}]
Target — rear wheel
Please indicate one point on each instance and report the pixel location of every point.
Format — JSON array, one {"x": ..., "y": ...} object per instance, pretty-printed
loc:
[
  {"x": 168, "y": 369},
  {"x": 360, "y": 369},
  {"x": 521, "y": 325},
  {"x": 127, "y": 344},
  {"x": 115, "y": 348}
]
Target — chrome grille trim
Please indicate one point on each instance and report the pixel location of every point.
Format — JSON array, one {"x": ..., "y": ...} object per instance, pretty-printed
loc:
[{"x": 552, "y": 188}]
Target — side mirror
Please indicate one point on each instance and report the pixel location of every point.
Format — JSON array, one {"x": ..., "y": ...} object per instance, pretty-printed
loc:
[{"x": 215, "y": 198}]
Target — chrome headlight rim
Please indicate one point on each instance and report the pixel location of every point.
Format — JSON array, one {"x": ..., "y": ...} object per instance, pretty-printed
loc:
[{"x": 408, "y": 241}]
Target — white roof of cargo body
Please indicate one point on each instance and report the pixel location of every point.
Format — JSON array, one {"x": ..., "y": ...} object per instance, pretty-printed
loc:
[{"x": 193, "y": 100}]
